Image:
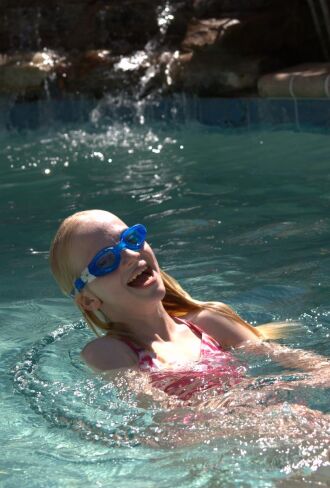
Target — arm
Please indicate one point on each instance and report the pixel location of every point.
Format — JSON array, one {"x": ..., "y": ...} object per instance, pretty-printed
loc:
[
  {"x": 107, "y": 353},
  {"x": 233, "y": 334},
  {"x": 118, "y": 365},
  {"x": 290, "y": 358},
  {"x": 227, "y": 332}
]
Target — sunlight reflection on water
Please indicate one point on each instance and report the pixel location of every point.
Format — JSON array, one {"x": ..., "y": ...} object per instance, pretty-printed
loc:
[{"x": 233, "y": 221}]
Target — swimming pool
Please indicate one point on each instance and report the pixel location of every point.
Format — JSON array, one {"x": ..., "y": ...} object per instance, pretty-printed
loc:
[{"x": 236, "y": 214}]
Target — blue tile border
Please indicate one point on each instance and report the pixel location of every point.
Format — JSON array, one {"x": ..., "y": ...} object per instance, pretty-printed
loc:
[{"x": 225, "y": 113}]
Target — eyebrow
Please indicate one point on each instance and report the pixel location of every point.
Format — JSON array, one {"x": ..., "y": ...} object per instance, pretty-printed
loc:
[{"x": 114, "y": 240}]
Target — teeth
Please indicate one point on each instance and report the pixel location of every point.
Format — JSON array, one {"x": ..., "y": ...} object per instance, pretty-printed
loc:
[{"x": 137, "y": 274}]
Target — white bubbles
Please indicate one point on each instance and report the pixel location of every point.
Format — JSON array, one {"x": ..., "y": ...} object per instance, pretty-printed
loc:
[
  {"x": 165, "y": 17},
  {"x": 98, "y": 155},
  {"x": 47, "y": 171},
  {"x": 131, "y": 63},
  {"x": 170, "y": 140},
  {"x": 157, "y": 149}
]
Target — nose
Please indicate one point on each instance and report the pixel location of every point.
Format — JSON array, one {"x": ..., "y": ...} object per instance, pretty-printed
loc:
[{"x": 128, "y": 256}]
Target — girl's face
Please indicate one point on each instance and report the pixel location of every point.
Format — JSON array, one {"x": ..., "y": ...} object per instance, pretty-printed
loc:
[{"x": 130, "y": 288}]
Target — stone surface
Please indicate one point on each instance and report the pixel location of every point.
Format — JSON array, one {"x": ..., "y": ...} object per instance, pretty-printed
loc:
[
  {"x": 205, "y": 65},
  {"x": 122, "y": 25},
  {"x": 214, "y": 73},
  {"x": 26, "y": 74},
  {"x": 207, "y": 47},
  {"x": 203, "y": 33},
  {"x": 303, "y": 81},
  {"x": 86, "y": 72}
]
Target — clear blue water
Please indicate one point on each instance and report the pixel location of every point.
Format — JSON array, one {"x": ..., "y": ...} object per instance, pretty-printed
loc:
[{"x": 240, "y": 216}]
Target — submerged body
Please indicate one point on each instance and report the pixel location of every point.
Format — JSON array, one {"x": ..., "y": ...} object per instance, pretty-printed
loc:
[{"x": 215, "y": 368}]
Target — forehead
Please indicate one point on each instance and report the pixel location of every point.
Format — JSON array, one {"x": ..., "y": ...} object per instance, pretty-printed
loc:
[{"x": 92, "y": 234}]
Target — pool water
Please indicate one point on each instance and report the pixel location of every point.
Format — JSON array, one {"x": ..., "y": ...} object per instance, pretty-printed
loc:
[{"x": 240, "y": 216}]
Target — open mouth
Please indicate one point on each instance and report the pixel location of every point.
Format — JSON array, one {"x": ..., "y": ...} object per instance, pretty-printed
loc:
[{"x": 142, "y": 279}]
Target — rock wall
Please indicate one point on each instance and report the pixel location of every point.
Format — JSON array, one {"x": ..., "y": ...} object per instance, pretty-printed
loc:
[{"x": 203, "y": 47}]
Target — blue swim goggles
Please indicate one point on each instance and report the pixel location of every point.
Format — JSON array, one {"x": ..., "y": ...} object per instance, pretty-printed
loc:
[{"x": 108, "y": 258}]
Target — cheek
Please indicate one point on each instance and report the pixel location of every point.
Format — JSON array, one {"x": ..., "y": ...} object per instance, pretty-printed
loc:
[
  {"x": 148, "y": 251},
  {"x": 107, "y": 288}
]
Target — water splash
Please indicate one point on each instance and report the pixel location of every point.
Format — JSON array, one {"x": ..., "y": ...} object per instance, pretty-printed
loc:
[
  {"x": 66, "y": 398},
  {"x": 133, "y": 62},
  {"x": 165, "y": 17},
  {"x": 260, "y": 416}
]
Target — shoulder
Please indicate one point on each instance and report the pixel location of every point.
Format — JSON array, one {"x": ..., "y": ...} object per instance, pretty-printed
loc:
[
  {"x": 105, "y": 353},
  {"x": 228, "y": 332}
]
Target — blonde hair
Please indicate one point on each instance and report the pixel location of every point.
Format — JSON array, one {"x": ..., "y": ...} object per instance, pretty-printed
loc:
[{"x": 177, "y": 302}]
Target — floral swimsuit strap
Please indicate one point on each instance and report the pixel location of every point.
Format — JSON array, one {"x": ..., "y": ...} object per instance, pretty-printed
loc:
[
  {"x": 148, "y": 359},
  {"x": 207, "y": 342}
]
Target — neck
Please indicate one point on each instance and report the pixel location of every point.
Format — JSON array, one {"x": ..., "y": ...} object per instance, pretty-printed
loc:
[{"x": 154, "y": 324}]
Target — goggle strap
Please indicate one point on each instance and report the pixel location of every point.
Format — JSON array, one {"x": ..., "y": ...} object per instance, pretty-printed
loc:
[{"x": 85, "y": 277}]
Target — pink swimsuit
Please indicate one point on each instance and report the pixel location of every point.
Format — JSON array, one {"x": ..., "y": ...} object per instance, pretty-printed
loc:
[{"x": 215, "y": 368}]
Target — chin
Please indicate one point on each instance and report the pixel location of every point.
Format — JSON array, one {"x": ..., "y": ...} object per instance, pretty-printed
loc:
[{"x": 155, "y": 293}]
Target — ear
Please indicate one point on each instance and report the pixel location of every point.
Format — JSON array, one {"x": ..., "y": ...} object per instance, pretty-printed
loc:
[{"x": 88, "y": 301}]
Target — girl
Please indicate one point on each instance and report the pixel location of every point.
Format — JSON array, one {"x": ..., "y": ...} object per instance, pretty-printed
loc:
[{"x": 150, "y": 322}]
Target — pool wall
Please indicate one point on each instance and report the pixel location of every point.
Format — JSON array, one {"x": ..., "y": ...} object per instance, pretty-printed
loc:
[{"x": 221, "y": 112}]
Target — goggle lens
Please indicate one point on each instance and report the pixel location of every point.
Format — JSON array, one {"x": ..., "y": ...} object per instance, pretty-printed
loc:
[
  {"x": 134, "y": 238},
  {"x": 106, "y": 261}
]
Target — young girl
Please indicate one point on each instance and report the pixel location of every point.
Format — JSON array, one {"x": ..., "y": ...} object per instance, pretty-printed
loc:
[{"x": 150, "y": 322}]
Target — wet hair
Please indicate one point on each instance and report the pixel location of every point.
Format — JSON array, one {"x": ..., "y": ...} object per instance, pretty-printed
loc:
[{"x": 177, "y": 302}]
